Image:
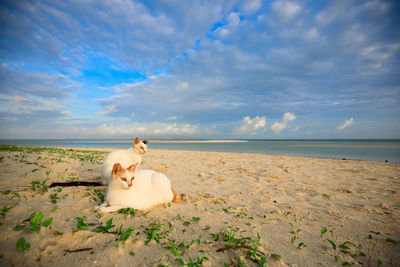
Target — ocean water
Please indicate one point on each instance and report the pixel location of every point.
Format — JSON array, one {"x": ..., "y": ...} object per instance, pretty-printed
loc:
[{"x": 372, "y": 150}]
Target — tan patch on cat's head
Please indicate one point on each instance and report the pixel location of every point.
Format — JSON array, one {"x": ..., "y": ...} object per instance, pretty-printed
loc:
[
  {"x": 117, "y": 170},
  {"x": 133, "y": 167},
  {"x": 137, "y": 140}
]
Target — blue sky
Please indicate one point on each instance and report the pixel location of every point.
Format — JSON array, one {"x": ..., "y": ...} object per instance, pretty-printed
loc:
[{"x": 200, "y": 69}]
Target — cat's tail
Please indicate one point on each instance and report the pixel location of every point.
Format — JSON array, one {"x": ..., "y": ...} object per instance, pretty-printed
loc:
[{"x": 177, "y": 198}]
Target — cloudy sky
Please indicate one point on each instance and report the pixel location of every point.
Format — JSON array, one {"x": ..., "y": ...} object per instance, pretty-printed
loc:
[{"x": 200, "y": 69}]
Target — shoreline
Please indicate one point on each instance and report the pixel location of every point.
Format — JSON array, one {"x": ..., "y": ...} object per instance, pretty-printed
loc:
[{"x": 109, "y": 149}]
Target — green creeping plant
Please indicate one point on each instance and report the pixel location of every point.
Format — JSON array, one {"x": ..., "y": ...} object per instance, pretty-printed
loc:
[
  {"x": 22, "y": 245},
  {"x": 80, "y": 224},
  {"x": 5, "y": 209},
  {"x": 123, "y": 235},
  {"x": 104, "y": 229}
]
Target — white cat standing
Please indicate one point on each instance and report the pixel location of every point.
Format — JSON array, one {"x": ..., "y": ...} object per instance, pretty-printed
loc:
[
  {"x": 140, "y": 189},
  {"x": 126, "y": 157}
]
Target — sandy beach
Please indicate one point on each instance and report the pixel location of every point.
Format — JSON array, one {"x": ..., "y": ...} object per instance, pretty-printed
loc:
[{"x": 237, "y": 209}]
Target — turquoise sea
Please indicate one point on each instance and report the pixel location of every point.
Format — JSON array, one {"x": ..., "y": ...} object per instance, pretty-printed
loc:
[{"x": 372, "y": 150}]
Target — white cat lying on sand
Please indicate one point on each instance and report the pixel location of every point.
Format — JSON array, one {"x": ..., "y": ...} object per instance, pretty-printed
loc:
[
  {"x": 140, "y": 189},
  {"x": 126, "y": 157}
]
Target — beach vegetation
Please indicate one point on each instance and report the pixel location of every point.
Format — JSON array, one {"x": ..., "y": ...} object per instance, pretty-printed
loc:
[
  {"x": 391, "y": 240},
  {"x": 53, "y": 198},
  {"x": 22, "y": 245},
  {"x": 152, "y": 233},
  {"x": 332, "y": 243},
  {"x": 123, "y": 235},
  {"x": 47, "y": 222},
  {"x": 323, "y": 231},
  {"x": 39, "y": 186},
  {"x": 146, "y": 213},
  {"x": 96, "y": 195},
  {"x": 127, "y": 211},
  {"x": 104, "y": 228},
  {"x": 55, "y": 209},
  {"x": 294, "y": 233},
  {"x": 80, "y": 224},
  {"x": 73, "y": 179},
  {"x": 35, "y": 220},
  {"x": 5, "y": 209}
]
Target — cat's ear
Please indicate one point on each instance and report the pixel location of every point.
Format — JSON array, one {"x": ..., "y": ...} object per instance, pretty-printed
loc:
[
  {"x": 117, "y": 169},
  {"x": 132, "y": 168},
  {"x": 137, "y": 140}
]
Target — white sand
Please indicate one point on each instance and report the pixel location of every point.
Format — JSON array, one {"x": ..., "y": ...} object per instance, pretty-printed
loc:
[{"x": 251, "y": 193}]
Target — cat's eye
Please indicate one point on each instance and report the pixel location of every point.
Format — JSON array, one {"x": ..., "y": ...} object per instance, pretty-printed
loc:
[{"x": 123, "y": 179}]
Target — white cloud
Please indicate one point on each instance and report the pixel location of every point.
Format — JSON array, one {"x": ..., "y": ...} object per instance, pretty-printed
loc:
[
  {"x": 346, "y": 124},
  {"x": 250, "y": 125},
  {"x": 154, "y": 129},
  {"x": 277, "y": 127},
  {"x": 108, "y": 109},
  {"x": 288, "y": 116},
  {"x": 252, "y": 6},
  {"x": 286, "y": 10},
  {"x": 172, "y": 118},
  {"x": 27, "y": 105},
  {"x": 233, "y": 21}
]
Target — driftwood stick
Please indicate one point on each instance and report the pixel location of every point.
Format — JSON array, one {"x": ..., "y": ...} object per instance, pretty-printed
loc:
[
  {"x": 77, "y": 250},
  {"x": 76, "y": 183}
]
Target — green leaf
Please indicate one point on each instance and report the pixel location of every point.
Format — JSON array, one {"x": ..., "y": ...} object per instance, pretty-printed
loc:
[
  {"x": 146, "y": 213},
  {"x": 276, "y": 256},
  {"x": 332, "y": 243},
  {"x": 132, "y": 212},
  {"x": 109, "y": 223},
  {"x": 54, "y": 209},
  {"x": 186, "y": 223},
  {"x": 81, "y": 224},
  {"x": 346, "y": 263},
  {"x": 37, "y": 217},
  {"x": 47, "y": 222},
  {"x": 102, "y": 228},
  {"x": 389, "y": 239},
  {"x": 196, "y": 219},
  {"x": 323, "y": 230},
  {"x": 300, "y": 245},
  {"x": 215, "y": 237},
  {"x": 19, "y": 227},
  {"x": 174, "y": 250},
  {"x": 34, "y": 228},
  {"x": 22, "y": 245},
  {"x": 6, "y": 192}
]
